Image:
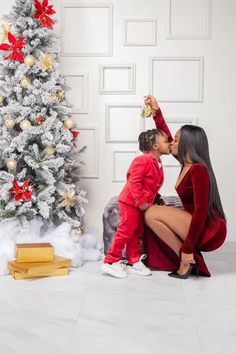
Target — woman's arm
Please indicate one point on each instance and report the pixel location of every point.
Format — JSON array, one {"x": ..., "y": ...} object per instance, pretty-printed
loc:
[
  {"x": 201, "y": 188},
  {"x": 158, "y": 117}
]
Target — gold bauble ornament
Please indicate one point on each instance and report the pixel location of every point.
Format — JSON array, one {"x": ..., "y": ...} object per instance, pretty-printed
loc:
[
  {"x": 78, "y": 231},
  {"x": 25, "y": 82},
  {"x": 69, "y": 199},
  {"x": 25, "y": 124},
  {"x": 69, "y": 123},
  {"x": 9, "y": 122},
  {"x": 49, "y": 150},
  {"x": 47, "y": 62},
  {"x": 54, "y": 98},
  {"x": 147, "y": 111},
  {"x": 11, "y": 164},
  {"x": 4, "y": 34},
  {"x": 2, "y": 98},
  {"x": 30, "y": 60}
]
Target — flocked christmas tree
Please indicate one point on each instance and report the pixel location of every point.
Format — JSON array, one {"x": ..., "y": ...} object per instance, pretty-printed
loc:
[{"x": 39, "y": 166}]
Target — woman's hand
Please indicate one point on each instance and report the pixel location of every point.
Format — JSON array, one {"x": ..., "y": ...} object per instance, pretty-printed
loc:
[
  {"x": 152, "y": 102},
  {"x": 187, "y": 259}
]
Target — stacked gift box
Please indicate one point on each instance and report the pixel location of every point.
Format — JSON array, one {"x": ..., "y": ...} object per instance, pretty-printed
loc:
[{"x": 36, "y": 260}]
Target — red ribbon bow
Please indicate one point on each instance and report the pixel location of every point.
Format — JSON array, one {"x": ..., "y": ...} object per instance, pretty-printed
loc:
[
  {"x": 75, "y": 134},
  {"x": 21, "y": 192},
  {"x": 43, "y": 13},
  {"x": 15, "y": 46}
]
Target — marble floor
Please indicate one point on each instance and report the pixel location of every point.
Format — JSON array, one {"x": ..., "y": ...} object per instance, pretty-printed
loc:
[{"x": 90, "y": 313}]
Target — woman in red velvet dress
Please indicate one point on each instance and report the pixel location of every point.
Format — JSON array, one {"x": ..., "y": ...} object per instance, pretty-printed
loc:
[{"x": 177, "y": 236}]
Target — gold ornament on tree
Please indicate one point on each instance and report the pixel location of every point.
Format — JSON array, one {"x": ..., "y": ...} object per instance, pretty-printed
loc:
[
  {"x": 69, "y": 123},
  {"x": 147, "y": 111},
  {"x": 9, "y": 122},
  {"x": 4, "y": 34},
  {"x": 30, "y": 60},
  {"x": 49, "y": 150},
  {"x": 47, "y": 62},
  {"x": 25, "y": 124},
  {"x": 69, "y": 199},
  {"x": 25, "y": 82},
  {"x": 2, "y": 98},
  {"x": 58, "y": 96},
  {"x": 78, "y": 231},
  {"x": 11, "y": 164}
]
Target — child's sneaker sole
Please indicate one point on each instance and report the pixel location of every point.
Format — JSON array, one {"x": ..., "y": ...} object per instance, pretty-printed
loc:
[{"x": 108, "y": 270}]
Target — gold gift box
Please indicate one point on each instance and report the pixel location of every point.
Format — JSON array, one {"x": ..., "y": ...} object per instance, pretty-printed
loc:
[
  {"x": 56, "y": 272},
  {"x": 34, "y": 252},
  {"x": 36, "y": 268}
]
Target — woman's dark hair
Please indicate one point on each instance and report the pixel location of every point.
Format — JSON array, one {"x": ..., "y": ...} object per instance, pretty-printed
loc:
[
  {"x": 148, "y": 138},
  {"x": 193, "y": 141}
]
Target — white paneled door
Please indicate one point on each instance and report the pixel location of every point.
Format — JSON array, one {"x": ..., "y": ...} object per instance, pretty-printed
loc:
[{"x": 115, "y": 52}]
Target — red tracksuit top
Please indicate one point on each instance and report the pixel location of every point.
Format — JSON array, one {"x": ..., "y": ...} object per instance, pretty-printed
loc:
[{"x": 144, "y": 179}]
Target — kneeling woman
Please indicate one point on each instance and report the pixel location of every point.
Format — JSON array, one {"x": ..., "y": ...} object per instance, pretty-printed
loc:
[{"x": 201, "y": 226}]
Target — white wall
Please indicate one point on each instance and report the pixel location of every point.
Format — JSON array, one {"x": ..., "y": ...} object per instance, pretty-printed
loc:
[{"x": 182, "y": 51}]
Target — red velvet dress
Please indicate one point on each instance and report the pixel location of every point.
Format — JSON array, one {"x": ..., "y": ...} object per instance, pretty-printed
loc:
[{"x": 203, "y": 235}]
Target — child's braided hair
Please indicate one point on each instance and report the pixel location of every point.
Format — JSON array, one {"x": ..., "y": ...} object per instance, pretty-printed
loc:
[{"x": 148, "y": 138}]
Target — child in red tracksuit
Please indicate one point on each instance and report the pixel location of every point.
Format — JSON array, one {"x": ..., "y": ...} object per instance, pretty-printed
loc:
[{"x": 144, "y": 179}]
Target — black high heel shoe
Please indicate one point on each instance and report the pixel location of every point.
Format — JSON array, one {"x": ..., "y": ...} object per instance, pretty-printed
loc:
[{"x": 175, "y": 274}]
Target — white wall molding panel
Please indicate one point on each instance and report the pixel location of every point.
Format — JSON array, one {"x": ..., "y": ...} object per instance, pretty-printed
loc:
[
  {"x": 89, "y": 137},
  {"x": 196, "y": 23},
  {"x": 177, "y": 79},
  {"x": 86, "y": 29},
  {"x": 117, "y": 79},
  {"x": 121, "y": 162},
  {"x": 123, "y": 123},
  {"x": 78, "y": 95},
  {"x": 140, "y": 32}
]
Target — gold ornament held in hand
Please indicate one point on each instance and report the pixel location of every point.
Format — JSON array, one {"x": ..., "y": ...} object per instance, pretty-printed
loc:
[{"x": 147, "y": 111}]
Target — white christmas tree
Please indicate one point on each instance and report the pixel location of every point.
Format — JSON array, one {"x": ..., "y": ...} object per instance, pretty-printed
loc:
[{"x": 39, "y": 166}]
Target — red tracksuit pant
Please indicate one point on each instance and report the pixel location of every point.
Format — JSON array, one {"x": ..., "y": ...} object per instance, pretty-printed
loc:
[{"x": 128, "y": 233}]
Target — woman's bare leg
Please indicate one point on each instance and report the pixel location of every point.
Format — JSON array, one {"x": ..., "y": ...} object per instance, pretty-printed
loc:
[{"x": 171, "y": 225}]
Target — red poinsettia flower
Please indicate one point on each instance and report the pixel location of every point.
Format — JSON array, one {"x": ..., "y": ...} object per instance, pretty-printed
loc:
[
  {"x": 21, "y": 192},
  {"x": 43, "y": 13},
  {"x": 15, "y": 47}
]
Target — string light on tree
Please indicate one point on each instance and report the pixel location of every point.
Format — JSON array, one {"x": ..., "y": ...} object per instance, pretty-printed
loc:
[
  {"x": 69, "y": 199},
  {"x": 11, "y": 165},
  {"x": 25, "y": 82},
  {"x": 25, "y": 124},
  {"x": 2, "y": 98},
  {"x": 9, "y": 122},
  {"x": 30, "y": 60},
  {"x": 78, "y": 231},
  {"x": 69, "y": 123}
]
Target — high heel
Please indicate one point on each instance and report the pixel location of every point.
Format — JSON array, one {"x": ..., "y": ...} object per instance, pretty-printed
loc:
[{"x": 175, "y": 274}]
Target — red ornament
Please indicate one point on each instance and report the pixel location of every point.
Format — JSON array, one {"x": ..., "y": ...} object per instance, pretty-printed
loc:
[
  {"x": 21, "y": 192},
  {"x": 15, "y": 47},
  {"x": 40, "y": 120},
  {"x": 75, "y": 133},
  {"x": 43, "y": 13}
]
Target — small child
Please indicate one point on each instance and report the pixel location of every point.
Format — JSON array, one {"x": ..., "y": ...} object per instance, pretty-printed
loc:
[{"x": 144, "y": 179}]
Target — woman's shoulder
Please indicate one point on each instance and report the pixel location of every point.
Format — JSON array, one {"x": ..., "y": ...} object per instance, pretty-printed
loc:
[{"x": 199, "y": 169}]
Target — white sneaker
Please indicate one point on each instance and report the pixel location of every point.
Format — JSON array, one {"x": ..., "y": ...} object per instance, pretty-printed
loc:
[
  {"x": 117, "y": 269},
  {"x": 139, "y": 267}
]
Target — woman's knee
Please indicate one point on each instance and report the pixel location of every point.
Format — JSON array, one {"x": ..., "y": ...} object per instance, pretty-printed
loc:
[{"x": 150, "y": 214}]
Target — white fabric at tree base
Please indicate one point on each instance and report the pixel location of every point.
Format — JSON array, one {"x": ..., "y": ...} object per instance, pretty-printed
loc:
[{"x": 66, "y": 244}]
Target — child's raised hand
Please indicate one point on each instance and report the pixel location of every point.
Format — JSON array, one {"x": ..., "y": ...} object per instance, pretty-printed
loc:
[{"x": 152, "y": 102}]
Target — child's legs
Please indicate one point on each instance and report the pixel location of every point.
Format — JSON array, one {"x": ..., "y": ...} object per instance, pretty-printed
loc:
[
  {"x": 133, "y": 249},
  {"x": 129, "y": 218}
]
